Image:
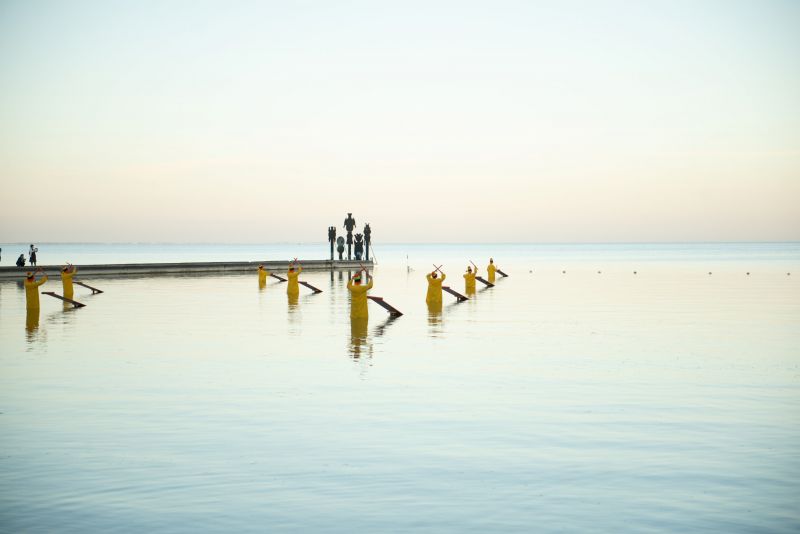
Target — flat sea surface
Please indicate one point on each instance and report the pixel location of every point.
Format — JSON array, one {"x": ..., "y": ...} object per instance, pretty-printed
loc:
[{"x": 598, "y": 388}]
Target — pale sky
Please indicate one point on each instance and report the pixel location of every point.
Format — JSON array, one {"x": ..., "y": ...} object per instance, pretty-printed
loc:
[{"x": 434, "y": 121}]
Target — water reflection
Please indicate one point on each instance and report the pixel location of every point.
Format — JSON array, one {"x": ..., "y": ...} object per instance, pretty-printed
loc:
[
  {"x": 294, "y": 313},
  {"x": 31, "y": 324},
  {"x": 435, "y": 318},
  {"x": 358, "y": 338},
  {"x": 380, "y": 330}
]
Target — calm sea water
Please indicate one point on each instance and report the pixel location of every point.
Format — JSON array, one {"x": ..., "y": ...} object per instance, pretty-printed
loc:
[{"x": 561, "y": 400}]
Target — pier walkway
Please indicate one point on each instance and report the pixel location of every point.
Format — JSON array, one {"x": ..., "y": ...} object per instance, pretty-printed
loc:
[{"x": 212, "y": 267}]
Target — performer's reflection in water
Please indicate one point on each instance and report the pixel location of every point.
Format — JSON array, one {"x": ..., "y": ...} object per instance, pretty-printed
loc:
[
  {"x": 31, "y": 324},
  {"x": 435, "y": 318},
  {"x": 359, "y": 343},
  {"x": 294, "y": 313}
]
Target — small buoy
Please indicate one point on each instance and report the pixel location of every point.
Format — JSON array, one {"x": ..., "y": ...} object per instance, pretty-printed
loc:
[
  {"x": 530, "y": 271},
  {"x": 748, "y": 274},
  {"x": 598, "y": 272},
  {"x": 563, "y": 272},
  {"x": 709, "y": 272},
  {"x": 634, "y": 272}
]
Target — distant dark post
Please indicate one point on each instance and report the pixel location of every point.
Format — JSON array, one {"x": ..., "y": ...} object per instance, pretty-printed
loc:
[
  {"x": 340, "y": 246},
  {"x": 332, "y": 238},
  {"x": 367, "y": 240},
  {"x": 349, "y": 224},
  {"x": 359, "y": 247}
]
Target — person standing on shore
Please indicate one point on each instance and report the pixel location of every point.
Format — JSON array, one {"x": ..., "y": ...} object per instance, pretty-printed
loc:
[
  {"x": 67, "y": 273},
  {"x": 32, "y": 289},
  {"x": 358, "y": 296},
  {"x": 491, "y": 269},
  {"x": 32, "y": 255}
]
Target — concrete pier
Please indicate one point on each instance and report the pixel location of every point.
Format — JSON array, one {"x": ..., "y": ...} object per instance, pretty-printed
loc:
[{"x": 154, "y": 269}]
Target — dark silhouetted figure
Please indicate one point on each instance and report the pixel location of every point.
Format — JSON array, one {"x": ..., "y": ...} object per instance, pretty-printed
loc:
[
  {"x": 367, "y": 240},
  {"x": 359, "y": 246},
  {"x": 349, "y": 224},
  {"x": 332, "y": 238},
  {"x": 340, "y": 246}
]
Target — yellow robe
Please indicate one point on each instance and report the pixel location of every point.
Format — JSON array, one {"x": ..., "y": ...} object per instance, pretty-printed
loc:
[
  {"x": 469, "y": 281},
  {"x": 66, "y": 283},
  {"x": 262, "y": 277},
  {"x": 293, "y": 288},
  {"x": 358, "y": 299},
  {"x": 434, "y": 295},
  {"x": 32, "y": 292},
  {"x": 491, "y": 269},
  {"x": 32, "y": 319}
]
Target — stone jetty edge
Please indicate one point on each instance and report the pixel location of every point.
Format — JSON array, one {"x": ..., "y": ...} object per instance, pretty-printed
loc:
[{"x": 114, "y": 269}]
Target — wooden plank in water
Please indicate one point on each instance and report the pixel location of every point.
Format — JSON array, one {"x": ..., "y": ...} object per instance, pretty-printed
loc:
[
  {"x": 73, "y": 302},
  {"x": 94, "y": 289},
  {"x": 456, "y": 294},
  {"x": 273, "y": 275},
  {"x": 394, "y": 312},
  {"x": 479, "y": 279},
  {"x": 502, "y": 273},
  {"x": 309, "y": 286}
]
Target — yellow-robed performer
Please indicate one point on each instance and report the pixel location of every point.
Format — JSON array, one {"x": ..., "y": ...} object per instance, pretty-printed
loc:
[
  {"x": 67, "y": 273},
  {"x": 469, "y": 280},
  {"x": 358, "y": 296},
  {"x": 293, "y": 288},
  {"x": 262, "y": 276},
  {"x": 32, "y": 289},
  {"x": 491, "y": 269},
  {"x": 434, "y": 296}
]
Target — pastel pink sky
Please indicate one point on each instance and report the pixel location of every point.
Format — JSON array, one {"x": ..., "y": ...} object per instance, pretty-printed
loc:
[{"x": 445, "y": 121}]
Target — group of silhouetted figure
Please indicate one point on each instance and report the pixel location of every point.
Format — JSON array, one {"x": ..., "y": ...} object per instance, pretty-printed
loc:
[{"x": 21, "y": 259}]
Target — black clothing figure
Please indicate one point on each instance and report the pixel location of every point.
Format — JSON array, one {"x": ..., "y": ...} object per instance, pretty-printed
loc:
[
  {"x": 32, "y": 253},
  {"x": 367, "y": 240},
  {"x": 21, "y": 260},
  {"x": 359, "y": 247},
  {"x": 332, "y": 238},
  {"x": 349, "y": 224},
  {"x": 340, "y": 246}
]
